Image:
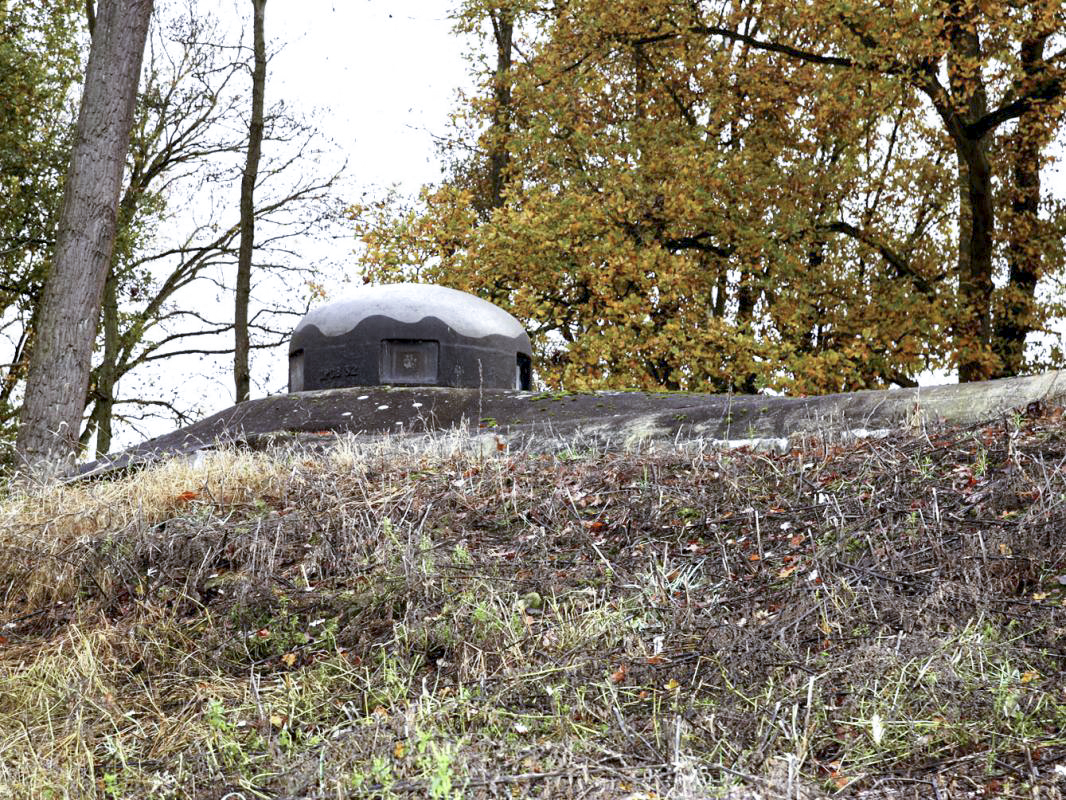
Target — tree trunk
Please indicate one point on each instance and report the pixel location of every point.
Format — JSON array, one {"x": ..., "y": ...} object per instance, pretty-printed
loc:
[
  {"x": 107, "y": 373},
  {"x": 973, "y": 333},
  {"x": 977, "y": 218},
  {"x": 62, "y": 354},
  {"x": 1024, "y": 254},
  {"x": 499, "y": 154},
  {"x": 241, "y": 372},
  {"x": 721, "y": 288},
  {"x": 747, "y": 298},
  {"x": 106, "y": 376}
]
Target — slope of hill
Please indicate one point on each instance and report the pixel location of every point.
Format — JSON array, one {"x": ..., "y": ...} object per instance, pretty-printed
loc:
[{"x": 421, "y": 618}]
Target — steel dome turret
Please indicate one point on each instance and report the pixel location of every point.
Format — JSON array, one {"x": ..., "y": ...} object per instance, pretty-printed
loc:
[{"x": 409, "y": 334}]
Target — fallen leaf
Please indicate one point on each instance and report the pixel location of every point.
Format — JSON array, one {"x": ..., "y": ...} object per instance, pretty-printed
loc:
[
  {"x": 619, "y": 674},
  {"x": 655, "y": 660}
]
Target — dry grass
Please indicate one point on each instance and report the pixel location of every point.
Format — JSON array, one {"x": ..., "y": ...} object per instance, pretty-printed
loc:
[{"x": 439, "y": 619}]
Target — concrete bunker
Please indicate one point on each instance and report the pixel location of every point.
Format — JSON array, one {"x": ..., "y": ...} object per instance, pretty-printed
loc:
[{"x": 409, "y": 334}]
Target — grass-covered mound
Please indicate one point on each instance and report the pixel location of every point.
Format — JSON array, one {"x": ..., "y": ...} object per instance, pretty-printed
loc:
[{"x": 431, "y": 619}]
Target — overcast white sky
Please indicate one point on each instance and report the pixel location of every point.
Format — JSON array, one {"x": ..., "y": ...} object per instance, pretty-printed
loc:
[{"x": 382, "y": 75}]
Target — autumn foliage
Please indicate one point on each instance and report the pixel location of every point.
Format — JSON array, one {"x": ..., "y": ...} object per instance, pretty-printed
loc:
[{"x": 817, "y": 196}]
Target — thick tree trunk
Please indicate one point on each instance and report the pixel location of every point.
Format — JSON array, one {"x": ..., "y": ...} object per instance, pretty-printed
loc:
[
  {"x": 973, "y": 332},
  {"x": 62, "y": 353},
  {"x": 977, "y": 218},
  {"x": 241, "y": 372}
]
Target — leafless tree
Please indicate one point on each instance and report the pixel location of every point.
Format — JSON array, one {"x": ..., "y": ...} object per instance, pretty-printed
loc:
[
  {"x": 186, "y": 159},
  {"x": 241, "y": 373}
]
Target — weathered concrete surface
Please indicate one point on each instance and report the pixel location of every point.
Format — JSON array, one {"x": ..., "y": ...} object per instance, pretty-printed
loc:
[{"x": 613, "y": 418}]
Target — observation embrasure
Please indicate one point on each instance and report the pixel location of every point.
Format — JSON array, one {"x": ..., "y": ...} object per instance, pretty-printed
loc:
[{"x": 409, "y": 334}]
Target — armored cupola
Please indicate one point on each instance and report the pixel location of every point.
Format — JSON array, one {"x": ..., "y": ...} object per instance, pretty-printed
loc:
[{"x": 409, "y": 334}]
